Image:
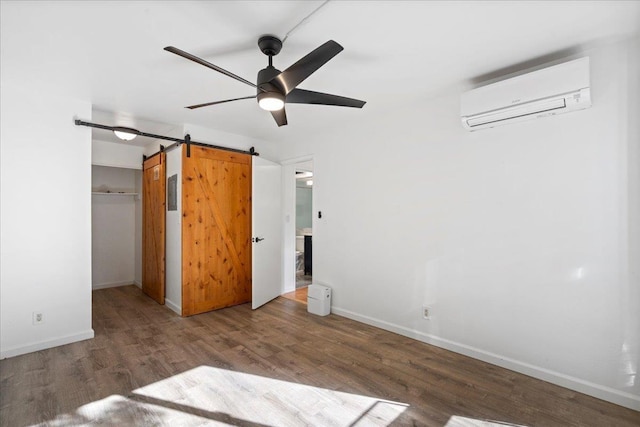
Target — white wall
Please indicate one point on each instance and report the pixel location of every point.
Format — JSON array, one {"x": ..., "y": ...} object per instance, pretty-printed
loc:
[
  {"x": 45, "y": 220},
  {"x": 117, "y": 155},
  {"x": 518, "y": 237},
  {"x": 113, "y": 228},
  {"x": 173, "y": 255},
  {"x": 633, "y": 155}
]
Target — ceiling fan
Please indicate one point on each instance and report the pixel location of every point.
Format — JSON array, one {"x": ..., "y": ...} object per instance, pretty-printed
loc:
[{"x": 276, "y": 88}]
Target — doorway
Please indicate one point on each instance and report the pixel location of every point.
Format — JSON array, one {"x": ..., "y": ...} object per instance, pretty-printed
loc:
[
  {"x": 298, "y": 198},
  {"x": 304, "y": 224}
]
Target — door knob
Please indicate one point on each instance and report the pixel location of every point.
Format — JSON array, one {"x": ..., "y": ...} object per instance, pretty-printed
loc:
[{"x": 257, "y": 239}]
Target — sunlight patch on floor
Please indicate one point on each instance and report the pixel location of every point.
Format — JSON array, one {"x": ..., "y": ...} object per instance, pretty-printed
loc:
[
  {"x": 222, "y": 397},
  {"x": 261, "y": 399},
  {"x": 118, "y": 410}
]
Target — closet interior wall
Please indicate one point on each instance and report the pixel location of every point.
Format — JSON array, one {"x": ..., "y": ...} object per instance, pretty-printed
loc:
[{"x": 115, "y": 226}]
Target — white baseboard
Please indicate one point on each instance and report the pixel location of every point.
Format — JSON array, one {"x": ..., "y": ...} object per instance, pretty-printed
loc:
[
  {"x": 173, "y": 306},
  {"x": 596, "y": 390},
  {"x": 138, "y": 284},
  {"x": 43, "y": 345},
  {"x": 112, "y": 284}
]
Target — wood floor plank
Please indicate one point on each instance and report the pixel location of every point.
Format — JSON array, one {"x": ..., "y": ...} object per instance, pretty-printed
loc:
[{"x": 276, "y": 366}]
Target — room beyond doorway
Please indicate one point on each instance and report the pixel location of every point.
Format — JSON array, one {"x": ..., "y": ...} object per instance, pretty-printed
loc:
[{"x": 304, "y": 224}]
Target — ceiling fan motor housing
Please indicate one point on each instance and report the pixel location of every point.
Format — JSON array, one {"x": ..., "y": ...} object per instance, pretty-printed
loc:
[{"x": 264, "y": 76}]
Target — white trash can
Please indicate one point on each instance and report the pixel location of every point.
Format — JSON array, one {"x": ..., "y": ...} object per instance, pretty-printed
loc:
[{"x": 319, "y": 300}]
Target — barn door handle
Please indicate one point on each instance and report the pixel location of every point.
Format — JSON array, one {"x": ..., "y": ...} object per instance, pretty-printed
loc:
[{"x": 257, "y": 239}]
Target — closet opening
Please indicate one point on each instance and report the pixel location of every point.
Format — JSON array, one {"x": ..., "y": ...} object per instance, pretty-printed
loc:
[{"x": 116, "y": 227}]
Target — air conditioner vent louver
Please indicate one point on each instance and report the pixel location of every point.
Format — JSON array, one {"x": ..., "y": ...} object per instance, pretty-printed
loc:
[{"x": 553, "y": 90}]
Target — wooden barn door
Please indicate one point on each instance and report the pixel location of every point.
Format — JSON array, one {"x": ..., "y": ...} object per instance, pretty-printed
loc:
[
  {"x": 216, "y": 229},
  {"x": 153, "y": 227}
]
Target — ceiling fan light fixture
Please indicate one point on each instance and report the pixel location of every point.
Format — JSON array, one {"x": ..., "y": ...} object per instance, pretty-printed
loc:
[
  {"x": 125, "y": 134},
  {"x": 271, "y": 101}
]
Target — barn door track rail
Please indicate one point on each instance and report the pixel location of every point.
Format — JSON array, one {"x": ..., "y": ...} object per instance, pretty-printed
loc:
[{"x": 176, "y": 141}]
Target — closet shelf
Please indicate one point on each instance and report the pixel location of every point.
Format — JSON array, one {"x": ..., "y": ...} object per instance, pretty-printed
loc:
[{"x": 113, "y": 193}]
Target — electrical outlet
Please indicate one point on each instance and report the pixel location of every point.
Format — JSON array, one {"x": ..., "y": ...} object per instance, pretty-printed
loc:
[
  {"x": 38, "y": 318},
  {"x": 426, "y": 312}
]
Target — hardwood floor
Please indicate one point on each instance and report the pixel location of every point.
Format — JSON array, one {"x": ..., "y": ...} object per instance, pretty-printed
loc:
[
  {"x": 300, "y": 295},
  {"x": 277, "y": 366}
]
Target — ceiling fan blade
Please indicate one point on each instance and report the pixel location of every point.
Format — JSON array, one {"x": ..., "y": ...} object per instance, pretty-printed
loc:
[
  {"x": 280, "y": 117},
  {"x": 301, "y": 96},
  {"x": 200, "y": 61},
  {"x": 192, "y": 107},
  {"x": 287, "y": 80}
]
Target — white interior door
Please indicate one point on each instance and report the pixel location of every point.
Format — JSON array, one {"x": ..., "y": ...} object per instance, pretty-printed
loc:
[{"x": 266, "y": 231}]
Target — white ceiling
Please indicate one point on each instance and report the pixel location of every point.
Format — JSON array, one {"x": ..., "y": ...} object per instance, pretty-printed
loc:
[{"x": 111, "y": 53}]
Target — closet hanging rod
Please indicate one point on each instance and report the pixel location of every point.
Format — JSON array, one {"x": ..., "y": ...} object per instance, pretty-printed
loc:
[{"x": 177, "y": 141}]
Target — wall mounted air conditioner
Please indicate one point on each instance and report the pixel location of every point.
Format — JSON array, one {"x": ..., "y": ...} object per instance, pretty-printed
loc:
[{"x": 553, "y": 90}]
